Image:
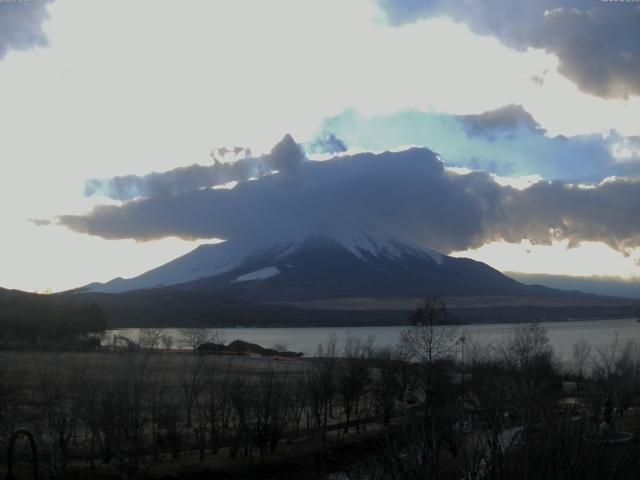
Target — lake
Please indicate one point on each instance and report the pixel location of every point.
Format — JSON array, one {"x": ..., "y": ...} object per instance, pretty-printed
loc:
[{"x": 562, "y": 335}]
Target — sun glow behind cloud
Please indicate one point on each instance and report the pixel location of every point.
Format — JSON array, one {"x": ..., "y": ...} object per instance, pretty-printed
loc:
[{"x": 587, "y": 259}]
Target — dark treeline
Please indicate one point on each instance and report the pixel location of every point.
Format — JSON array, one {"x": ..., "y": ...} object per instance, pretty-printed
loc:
[{"x": 30, "y": 320}]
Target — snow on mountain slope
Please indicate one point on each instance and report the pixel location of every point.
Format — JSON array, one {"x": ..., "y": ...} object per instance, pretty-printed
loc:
[
  {"x": 204, "y": 261},
  {"x": 365, "y": 242},
  {"x": 323, "y": 267},
  {"x": 261, "y": 274},
  {"x": 218, "y": 259}
]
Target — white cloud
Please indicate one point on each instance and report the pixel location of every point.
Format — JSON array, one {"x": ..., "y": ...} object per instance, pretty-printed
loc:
[
  {"x": 626, "y": 149},
  {"x": 519, "y": 183}
]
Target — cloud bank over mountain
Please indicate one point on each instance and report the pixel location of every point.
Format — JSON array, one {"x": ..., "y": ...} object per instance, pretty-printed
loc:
[
  {"x": 597, "y": 42},
  {"x": 408, "y": 195}
]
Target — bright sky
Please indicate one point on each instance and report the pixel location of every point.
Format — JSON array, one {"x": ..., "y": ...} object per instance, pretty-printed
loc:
[{"x": 127, "y": 87}]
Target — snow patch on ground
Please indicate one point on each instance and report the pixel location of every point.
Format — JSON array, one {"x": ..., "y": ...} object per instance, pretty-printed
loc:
[{"x": 261, "y": 274}]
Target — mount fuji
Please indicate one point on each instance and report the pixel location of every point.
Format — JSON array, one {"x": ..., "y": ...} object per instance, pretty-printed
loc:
[
  {"x": 328, "y": 279},
  {"x": 323, "y": 267}
]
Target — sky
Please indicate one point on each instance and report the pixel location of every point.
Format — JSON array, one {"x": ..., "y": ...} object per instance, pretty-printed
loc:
[{"x": 508, "y": 133}]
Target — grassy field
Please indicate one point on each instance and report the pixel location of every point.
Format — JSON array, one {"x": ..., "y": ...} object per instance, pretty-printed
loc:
[
  {"x": 32, "y": 368},
  {"x": 97, "y": 414}
]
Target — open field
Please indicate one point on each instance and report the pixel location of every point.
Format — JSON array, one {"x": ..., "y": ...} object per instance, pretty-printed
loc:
[
  {"x": 34, "y": 367},
  {"x": 175, "y": 412},
  {"x": 407, "y": 304}
]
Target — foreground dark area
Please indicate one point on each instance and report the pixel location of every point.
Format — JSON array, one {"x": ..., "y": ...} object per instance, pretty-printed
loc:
[{"x": 439, "y": 406}]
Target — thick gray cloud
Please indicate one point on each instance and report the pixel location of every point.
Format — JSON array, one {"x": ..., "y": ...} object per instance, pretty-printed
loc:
[
  {"x": 285, "y": 157},
  {"x": 607, "y": 213},
  {"x": 493, "y": 123},
  {"x": 596, "y": 41},
  {"x": 408, "y": 195},
  {"x": 21, "y": 24},
  {"x": 40, "y": 222}
]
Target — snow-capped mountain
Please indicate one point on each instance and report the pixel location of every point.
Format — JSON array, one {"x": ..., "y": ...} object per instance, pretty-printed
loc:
[
  {"x": 322, "y": 280},
  {"x": 322, "y": 267}
]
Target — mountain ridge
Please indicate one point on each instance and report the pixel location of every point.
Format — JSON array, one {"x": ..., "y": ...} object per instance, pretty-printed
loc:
[
  {"x": 331, "y": 280},
  {"x": 227, "y": 264}
]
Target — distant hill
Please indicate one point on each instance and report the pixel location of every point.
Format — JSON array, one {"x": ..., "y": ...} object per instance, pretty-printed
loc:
[
  {"x": 609, "y": 286},
  {"x": 37, "y": 320}
]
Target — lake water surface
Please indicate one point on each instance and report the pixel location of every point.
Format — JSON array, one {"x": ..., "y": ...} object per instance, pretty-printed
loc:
[{"x": 562, "y": 335}]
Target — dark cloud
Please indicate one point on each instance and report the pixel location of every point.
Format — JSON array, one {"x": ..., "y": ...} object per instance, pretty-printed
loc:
[
  {"x": 408, "y": 195},
  {"x": 538, "y": 80},
  {"x": 21, "y": 24},
  {"x": 285, "y": 157},
  {"x": 494, "y": 123},
  {"x": 507, "y": 141},
  {"x": 40, "y": 222},
  {"x": 397, "y": 193},
  {"x": 326, "y": 142},
  {"x": 597, "y": 42},
  {"x": 606, "y": 212}
]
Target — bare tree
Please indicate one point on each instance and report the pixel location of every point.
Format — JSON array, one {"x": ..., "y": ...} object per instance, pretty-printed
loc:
[
  {"x": 428, "y": 342},
  {"x": 386, "y": 387},
  {"x": 431, "y": 335},
  {"x": 193, "y": 337},
  {"x": 239, "y": 418},
  {"x": 167, "y": 342},
  {"x": 149, "y": 338},
  {"x": 580, "y": 357},
  {"x": 299, "y": 396},
  {"x": 191, "y": 378},
  {"x": 157, "y": 393},
  {"x": 55, "y": 427},
  {"x": 527, "y": 353},
  {"x": 352, "y": 376},
  {"x": 323, "y": 383},
  {"x": 215, "y": 403},
  {"x": 430, "y": 338},
  {"x": 10, "y": 394},
  {"x": 269, "y": 411}
]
